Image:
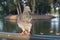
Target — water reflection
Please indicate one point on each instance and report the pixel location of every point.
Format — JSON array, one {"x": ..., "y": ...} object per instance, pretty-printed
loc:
[
  {"x": 42, "y": 27},
  {"x": 47, "y": 27},
  {"x": 1, "y": 25},
  {"x": 55, "y": 24},
  {"x": 8, "y": 26},
  {"x": 1, "y": 28}
]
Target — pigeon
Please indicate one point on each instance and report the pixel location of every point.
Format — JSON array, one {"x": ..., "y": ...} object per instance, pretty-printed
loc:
[{"x": 24, "y": 21}]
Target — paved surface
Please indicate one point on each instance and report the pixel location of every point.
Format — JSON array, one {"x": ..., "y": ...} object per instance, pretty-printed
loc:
[{"x": 26, "y": 37}]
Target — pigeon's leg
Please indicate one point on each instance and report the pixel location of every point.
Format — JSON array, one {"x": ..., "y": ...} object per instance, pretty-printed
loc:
[
  {"x": 22, "y": 27},
  {"x": 29, "y": 29},
  {"x": 22, "y": 33}
]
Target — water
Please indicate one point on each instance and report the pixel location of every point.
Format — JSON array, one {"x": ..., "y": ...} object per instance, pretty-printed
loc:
[
  {"x": 41, "y": 27},
  {"x": 6, "y": 26},
  {"x": 47, "y": 27}
]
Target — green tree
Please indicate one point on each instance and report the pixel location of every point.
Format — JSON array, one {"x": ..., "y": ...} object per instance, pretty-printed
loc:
[
  {"x": 43, "y": 6},
  {"x": 1, "y": 9},
  {"x": 11, "y": 6}
]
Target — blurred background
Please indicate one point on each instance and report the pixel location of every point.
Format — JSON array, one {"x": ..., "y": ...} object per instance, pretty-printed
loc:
[{"x": 38, "y": 7}]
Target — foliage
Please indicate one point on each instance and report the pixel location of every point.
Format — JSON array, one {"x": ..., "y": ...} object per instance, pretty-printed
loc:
[
  {"x": 11, "y": 4},
  {"x": 1, "y": 8},
  {"x": 43, "y": 7}
]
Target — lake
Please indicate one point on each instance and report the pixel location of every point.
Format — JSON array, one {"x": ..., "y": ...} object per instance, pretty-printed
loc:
[{"x": 40, "y": 27}]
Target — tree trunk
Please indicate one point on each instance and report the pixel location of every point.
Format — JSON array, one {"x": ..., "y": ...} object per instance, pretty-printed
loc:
[{"x": 33, "y": 7}]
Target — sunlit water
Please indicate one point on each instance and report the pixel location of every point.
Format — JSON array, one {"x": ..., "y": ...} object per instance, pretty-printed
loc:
[{"x": 41, "y": 27}]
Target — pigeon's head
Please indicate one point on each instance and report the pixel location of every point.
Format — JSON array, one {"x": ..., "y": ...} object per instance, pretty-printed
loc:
[{"x": 27, "y": 9}]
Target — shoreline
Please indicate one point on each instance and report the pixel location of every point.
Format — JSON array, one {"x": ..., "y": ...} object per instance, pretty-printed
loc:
[{"x": 13, "y": 18}]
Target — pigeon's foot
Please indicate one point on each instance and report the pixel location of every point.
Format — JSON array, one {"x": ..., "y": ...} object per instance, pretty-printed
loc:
[
  {"x": 28, "y": 33},
  {"x": 22, "y": 33}
]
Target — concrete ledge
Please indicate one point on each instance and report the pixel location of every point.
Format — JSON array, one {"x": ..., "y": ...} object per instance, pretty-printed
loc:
[
  {"x": 26, "y": 37},
  {"x": 13, "y": 18}
]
